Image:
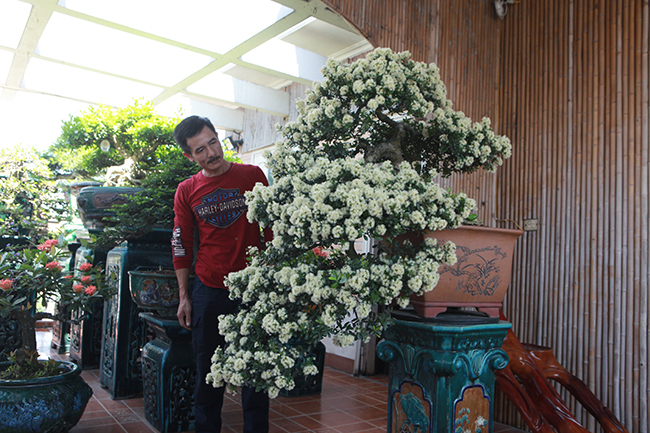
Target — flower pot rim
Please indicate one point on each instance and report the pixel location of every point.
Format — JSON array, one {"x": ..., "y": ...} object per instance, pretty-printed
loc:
[
  {"x": 71, "y": 368},
  {"x": 485, "y": 229},
  {"x": 153, "y": 271}
]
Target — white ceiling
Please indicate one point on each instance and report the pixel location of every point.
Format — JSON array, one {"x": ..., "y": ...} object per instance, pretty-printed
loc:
[{"x": 209, "y": 57}]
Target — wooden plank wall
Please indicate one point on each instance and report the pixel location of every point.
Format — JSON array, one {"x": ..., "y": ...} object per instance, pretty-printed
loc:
[
  {"x": 567, "y": 81},
  {"x": 393, "y": 23}
]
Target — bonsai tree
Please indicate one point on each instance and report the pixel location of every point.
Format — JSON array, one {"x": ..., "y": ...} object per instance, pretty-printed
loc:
[
  {"x": 116, "y": 143},
  {"x": 29, "y": 195},
  {"x": 360, "y": 161},
  {"x": 31, "y": 277}
]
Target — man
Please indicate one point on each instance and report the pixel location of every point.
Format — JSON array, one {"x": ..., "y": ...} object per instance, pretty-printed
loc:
[{"x": 213, "y": 202}]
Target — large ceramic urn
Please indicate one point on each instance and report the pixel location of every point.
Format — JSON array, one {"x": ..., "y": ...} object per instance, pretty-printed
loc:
[{"x": 43, "y": 405}]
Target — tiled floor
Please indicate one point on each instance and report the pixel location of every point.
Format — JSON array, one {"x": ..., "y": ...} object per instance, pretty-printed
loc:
[{"x": 347, "y": 404}]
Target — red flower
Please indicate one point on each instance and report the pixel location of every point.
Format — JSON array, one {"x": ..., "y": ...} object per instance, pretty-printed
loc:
[
  {"x": 85, "y": 279},
  {"x": 6, "y": 284},
  {"x": 90, "y": 290},
  {"x": 85, "y": 267},
  {"x": 48, "y": 244},
  {"x": 54, "y": 266},
  {"x": 319, "y": 251},
  {"x": 78, "y": 288},
  {"x": 68, "y": 277}
]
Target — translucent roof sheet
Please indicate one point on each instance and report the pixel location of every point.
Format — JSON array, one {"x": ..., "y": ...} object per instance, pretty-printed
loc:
[
  {"x": 211, "y": 57},
  {"x": 84, "y": 43},
  {"x": 13, "y": 17}
]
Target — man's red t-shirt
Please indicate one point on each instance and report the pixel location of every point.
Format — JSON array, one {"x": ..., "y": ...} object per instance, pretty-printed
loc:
[{"x": 216, "y": 205}]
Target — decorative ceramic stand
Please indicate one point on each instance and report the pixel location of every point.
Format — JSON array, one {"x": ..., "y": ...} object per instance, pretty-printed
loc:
[
  {"x": 168, "y": 375},
  {"x": 120, "y": 369},
  {"x": 123, "y": 334},
  {"x": 441, "y": 376},
  {"x": 86, "y": 334}
]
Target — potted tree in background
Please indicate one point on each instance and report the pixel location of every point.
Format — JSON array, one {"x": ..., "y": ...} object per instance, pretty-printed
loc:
[{"x": 361, "y": 160}]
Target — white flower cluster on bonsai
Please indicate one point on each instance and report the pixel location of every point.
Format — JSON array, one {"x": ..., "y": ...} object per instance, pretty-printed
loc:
[{"x": 361, "y": 160}]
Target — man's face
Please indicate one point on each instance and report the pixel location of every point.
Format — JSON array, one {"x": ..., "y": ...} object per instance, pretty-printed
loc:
[{"x": 206, "y": 151}]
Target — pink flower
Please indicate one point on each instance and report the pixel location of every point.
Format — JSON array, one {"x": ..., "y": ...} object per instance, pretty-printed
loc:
[
  {"x": 85, "y": 267},
  {"x": 6, "y": 284},
  {"x": 85, "y": 279},
  {"x": 78, "y": 288},
  {"x": 48, "y": 244},
  {"x": 90, "y": 290},
  {"x": 54, "y": 266},
  {"x": 68, "y": 277}
]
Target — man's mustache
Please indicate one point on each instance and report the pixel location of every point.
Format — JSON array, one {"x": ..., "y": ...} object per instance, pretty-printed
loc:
[{"x": 213, "y": 159}]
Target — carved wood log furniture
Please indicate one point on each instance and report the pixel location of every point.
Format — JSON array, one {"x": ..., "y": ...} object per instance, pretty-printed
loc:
[{"x": 526, "y": 381}]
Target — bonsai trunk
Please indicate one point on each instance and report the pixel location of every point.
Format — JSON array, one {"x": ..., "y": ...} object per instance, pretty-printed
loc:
[{"x": 28, "y": 333}]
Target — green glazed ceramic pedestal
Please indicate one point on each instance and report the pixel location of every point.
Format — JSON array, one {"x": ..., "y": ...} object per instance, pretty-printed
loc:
[{"x": 441, "y": 376}]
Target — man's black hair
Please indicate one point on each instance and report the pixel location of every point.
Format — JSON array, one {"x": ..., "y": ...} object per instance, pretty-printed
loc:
[{"x": 190, "y": 127}]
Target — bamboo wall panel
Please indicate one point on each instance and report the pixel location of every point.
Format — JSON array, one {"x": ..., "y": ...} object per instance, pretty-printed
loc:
[
  {"x": 573, "y": 98},
  {"x": 568, "y": 82}
]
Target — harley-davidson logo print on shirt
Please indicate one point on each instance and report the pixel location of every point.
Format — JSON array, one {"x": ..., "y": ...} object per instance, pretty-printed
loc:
[{"x": 221, "y": 208}]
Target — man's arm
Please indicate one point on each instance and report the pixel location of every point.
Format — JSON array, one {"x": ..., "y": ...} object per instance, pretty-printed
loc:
[{"x": 184, "y": 313}]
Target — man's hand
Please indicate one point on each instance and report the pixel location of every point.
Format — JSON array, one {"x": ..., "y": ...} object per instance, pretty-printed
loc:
[{"x": 184, "y": 313}]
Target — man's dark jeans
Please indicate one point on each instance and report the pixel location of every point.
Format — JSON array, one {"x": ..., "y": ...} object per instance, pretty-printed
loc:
[{"x": 207, "y": 304}]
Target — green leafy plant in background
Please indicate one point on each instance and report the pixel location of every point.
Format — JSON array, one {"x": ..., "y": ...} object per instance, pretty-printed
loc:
[{"x": 29, "y": 195}]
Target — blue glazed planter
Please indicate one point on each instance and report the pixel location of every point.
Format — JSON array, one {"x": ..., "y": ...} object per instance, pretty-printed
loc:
[
  {"x": 45, "y": 405},
  {"x": 155, "y": 290}
]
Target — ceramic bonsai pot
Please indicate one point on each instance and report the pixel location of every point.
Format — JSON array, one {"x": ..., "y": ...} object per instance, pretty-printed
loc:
[
  {"x": 95, "y": 202},
  {"x": 481, "y": 276},
  {"x": 44, "y": 405},
  {"x": 155, "y": 290}
]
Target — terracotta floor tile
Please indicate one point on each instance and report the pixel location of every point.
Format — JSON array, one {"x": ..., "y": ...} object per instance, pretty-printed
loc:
[
  {"x": 134, "y": 402},
  {"x": 273, "y": 429},
  {"x": 287, "y": 425},
  {"x": 113, "y": 404},
  {"x": 310, "y": 407},
  {"x": 356, "y": 427},
  {"x": 343, "y": 403},
  {"x": 308, "y": 422},
  {"x": 232, "y": 418},
  {"x": 370, "y": 430},
  {"x": 114, "y": 428},
  {"x": 95, "y": 415},
  {"x": 335, "y": 419},
  {"x": 139, "y": 427},
  {"x": 93, "y": 405},
  {"x": 283, "y": 410},
  {"x": 367, "y": 413},
  {"x": 97, "y": 422}
]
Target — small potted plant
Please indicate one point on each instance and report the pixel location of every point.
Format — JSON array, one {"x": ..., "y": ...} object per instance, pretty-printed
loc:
[
  {"x": 38, "y": 395},
  {"x": 361, "y": 160}
]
